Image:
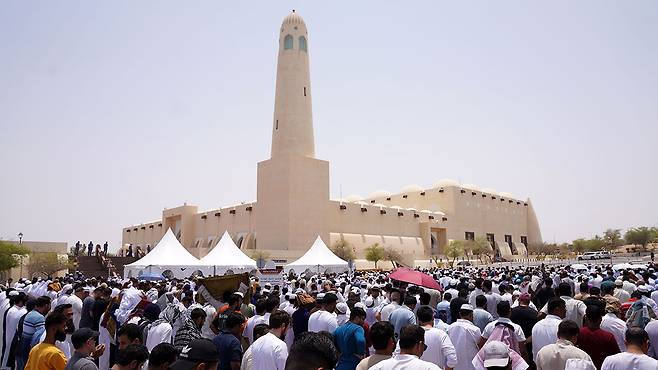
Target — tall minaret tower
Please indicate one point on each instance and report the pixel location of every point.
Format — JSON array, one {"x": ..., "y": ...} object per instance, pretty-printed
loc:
[
  {"x": 293, "y": 186},
  {"x": 292, "y": 126}
]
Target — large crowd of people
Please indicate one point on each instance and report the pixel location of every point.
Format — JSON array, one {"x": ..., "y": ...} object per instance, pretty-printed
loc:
[{"x": 494, "y": 318}]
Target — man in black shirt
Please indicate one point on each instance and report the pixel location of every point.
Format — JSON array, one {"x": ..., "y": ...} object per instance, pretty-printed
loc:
[
  {"x": 545, "y": 293},
  {"x": 456, "y": 304},
  {"x": 526, "y": 317}
]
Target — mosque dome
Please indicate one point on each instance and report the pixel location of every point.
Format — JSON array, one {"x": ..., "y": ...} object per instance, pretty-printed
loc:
[
  {"x": 471, "y": 187},
  {"x": 411, "y": 188},
  {"x": 444, "y": 183},
  {"x": 294, "y": 18},
  {"x": 380, "y": 193}
]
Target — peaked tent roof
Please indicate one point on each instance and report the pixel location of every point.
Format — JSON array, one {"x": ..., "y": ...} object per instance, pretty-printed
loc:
[
  {"x": 168, "y": 252},
  {"x": 227, "y": 256},
  {"x": 319, "y": 256}
]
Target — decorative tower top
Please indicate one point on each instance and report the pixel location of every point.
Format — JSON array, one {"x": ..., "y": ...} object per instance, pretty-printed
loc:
[{"x": 292, "y": 126}]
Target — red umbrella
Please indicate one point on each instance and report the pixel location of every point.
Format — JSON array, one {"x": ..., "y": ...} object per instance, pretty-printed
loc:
[{"x": 414, "y": 277}]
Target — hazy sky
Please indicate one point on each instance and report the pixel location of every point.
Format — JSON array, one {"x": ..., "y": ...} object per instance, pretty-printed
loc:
[{"x": 111, "y": 111}]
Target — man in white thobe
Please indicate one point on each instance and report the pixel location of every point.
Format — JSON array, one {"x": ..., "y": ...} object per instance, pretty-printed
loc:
[
  {"x": 612, "y": 323},
  {"x": 269, "y": 352},
  {"x": 440, "y": 350},
  {"x": 635, "y": 357},
  {"x": 465, "y": 336},
  {"x": 545, "y": 330},
  {"x": 76, "y": 302},
  {"x": 324, "y": 319},
  {"x": 11, "y": 318}
]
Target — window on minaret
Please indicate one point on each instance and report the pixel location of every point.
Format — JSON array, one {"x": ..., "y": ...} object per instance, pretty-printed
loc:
[
  {"x": 287, "y": 42},
  {"x": 276, "y": 127},
  {"x": 302, "y": 43},
  {"x": 304, "y": 90}
]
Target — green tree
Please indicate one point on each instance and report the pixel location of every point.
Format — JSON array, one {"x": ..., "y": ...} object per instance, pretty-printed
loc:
[
  {"x": 612, "y": 239},
  {"x": 595, "y": 244},
  {"x": 343, "y": 249},
  {"x": 374, "y": 253},
  {"x": 654, "y": 231},
  {"x": 579, "y": 245},
  {"x": 9, "y": 253},
  {"x": 479, "y": 247},
  {"x": 639, "y": 236},
  {"x": 455, "y": 250}
]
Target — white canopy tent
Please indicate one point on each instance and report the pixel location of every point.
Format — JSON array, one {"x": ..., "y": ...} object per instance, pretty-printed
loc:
[
  {"x": 168, "y": 255},
  {"x": 319, "y": 258},
  {"x": 226, "y": 256}
]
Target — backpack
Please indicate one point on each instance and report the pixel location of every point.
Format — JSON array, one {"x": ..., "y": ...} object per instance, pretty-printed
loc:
[{"x": 639, "y": 314}]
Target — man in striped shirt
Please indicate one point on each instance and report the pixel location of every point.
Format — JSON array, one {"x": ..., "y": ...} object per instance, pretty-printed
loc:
[{"x": 33, "y": 321}]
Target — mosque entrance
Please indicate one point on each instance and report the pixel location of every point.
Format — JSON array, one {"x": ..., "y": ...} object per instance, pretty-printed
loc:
[{"x": 439, "y": 240}]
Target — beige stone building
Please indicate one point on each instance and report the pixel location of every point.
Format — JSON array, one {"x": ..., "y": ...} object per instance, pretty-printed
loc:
[{"x": 293, "y": 205}]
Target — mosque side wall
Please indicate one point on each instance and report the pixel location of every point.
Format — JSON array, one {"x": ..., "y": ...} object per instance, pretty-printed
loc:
[
  {"x": 468, "y": 212},
  {"x": 407, "y": 234}
]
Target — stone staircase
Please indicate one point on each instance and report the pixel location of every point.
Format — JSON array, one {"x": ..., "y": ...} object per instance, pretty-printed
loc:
[{"x": 92, "y": 266}]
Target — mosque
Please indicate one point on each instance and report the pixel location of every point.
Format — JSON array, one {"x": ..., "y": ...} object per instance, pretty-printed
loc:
[{"x": 293, "y": 205}]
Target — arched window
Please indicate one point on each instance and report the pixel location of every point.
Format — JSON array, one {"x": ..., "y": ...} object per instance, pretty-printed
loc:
[
  {"x": 287, "y": 42},
  {"x": 302, "y": 43}
]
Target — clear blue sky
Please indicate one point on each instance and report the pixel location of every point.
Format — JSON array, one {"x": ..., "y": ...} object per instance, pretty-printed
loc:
[{"x": 111, "y": 111}]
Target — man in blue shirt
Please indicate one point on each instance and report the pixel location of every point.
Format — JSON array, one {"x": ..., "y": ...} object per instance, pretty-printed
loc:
[
  {"x": 443, "y": 309},
  {"x": 33, "y": 322},
  {"x": 350, "y": 340},
  {"x": 228, "y": 342},
  {"x": 404, "y": 315}
]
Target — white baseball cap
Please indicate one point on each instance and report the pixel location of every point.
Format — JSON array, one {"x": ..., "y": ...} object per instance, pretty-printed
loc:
[
  {"x": 341, "y": 308},
  {"x": 496, "y": 354}
]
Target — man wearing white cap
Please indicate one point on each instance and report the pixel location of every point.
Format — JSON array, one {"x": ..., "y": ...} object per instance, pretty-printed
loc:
[
  {"x": 496, "y": 356},
  {"x": 621, "y": 294},
  {"x": 342, "y": 313},
  {"x": 465, "y": 336},
  {"x": 370, "y": 310}
]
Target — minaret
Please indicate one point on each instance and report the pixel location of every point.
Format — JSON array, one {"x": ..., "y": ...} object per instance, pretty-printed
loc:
[
  {"x": 292, "y": 206},
  {"x": 292, "y": 126}
]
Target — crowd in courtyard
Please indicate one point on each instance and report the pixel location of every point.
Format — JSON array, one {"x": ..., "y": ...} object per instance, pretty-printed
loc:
[{"x": 494, "y": 318}]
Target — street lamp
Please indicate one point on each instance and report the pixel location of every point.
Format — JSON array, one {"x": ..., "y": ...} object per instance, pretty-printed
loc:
[{"x": 20, "y": 238}]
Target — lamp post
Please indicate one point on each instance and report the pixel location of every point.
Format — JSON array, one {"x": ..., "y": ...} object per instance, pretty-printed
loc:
[{"x": 20, "y": 238}]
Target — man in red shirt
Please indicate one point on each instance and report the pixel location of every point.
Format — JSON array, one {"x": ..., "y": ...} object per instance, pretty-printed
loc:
[{"x": 597, "y": 342}]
